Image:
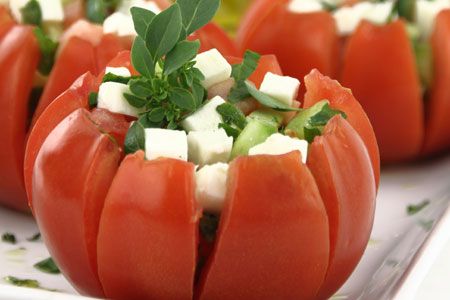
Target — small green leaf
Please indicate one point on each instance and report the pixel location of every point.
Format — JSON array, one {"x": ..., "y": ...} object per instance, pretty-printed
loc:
[
  {"x": 141, "y": 59},
  {"x": 231, "y": 115},
  {"x": 311, "y": 133},
  {"x": 244, "y": 70},
  {"x": 156, "y": 115},
  {"x": 93, "y": 100},
  {"x": 29, "y": 283},
  {"x": 110, "y": 77},
  {"x": 135, "y": 138},
  {"x": 31, "y": 13},
  {"x": 34, "y": 238},
  {"x": 230, "y": 130},
  {"x": 414, "y": 209},
  {"x": 322, "y": 118},
  {"x": 47, "y": 266},
  {"x": 98, "y": 10},
  {"x": 8, "y": 237},
  {"x": 266, "y": 100},
  {"x": 199, "y": 93},
  {"x": 197, "y": 13},
  {"x": 141, "y": 18},
  {"x": 406, "y": 9},
  {"x": 183, "y": 99},
  {"x": 183, "y": 52},
  {"x": 48, "y": 51},
  {"x": 163, "y": 32},
  {"x": 238, "y": 92},
  {"x": 134, "y": 100},
  {"x": 140, "y": 87}
]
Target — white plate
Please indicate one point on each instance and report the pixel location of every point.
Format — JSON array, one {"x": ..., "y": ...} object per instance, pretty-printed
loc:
[{"x": 401, "y": 251}]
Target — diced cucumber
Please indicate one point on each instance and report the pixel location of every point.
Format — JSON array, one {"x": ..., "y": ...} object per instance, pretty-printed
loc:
[
  {"x": 271, "y": 117},
  {"x": 297, "y": 126}
]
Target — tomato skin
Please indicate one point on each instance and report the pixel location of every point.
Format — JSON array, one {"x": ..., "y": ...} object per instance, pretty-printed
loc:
[
  {"x": 437, "y": 138},
  {"x": 6, "y": 22},
  {"x": 68, "y": 195},
  {"x": 342, "y": 168},
  {"x": 272, "y": 241},
  {"x": 115, "y": 125},
  {"x": 212, "y": 36},
  {"x": 387, "y": 86},
  {"x": 320, "y": 87},
  {"x": 19, "y": 57},
  {"x": 148, "y": 237},
  {"x": 107, "y": 50},
  {"x": 74, "y": 98}
]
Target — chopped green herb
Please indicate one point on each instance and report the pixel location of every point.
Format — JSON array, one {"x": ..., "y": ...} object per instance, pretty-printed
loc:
[
  {"x": 230, "y": 130},
  {"x": 8, "y": 237},
  {"x": 241, "y": 72},
  {"x": 31, "y": 13},
  {"x": 110, "y": 77},
  {"x": 93, "y": 99},
  {"x": 406, "y": 9},
  {"x": 29, "y": 283},
  {"x": 34, "y": 238},
  {"x": 324, "y": 115},
  {"x": 16, "y": 253},
  {"x": 98, "y": 10},
  {"x": 231, "y": 115},
  {"x": 266, "y": 100},
  {"x": 414, "y": 209},
  {"x": 47, "y": 266},
  {"x": 48, "y": 49}
]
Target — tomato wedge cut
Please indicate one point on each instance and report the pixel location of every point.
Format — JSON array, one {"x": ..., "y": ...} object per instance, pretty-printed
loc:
[
  {"x": 107, "y": 49},
  {"x": 19, "y": 57},
  {"x": 116, "y": 125},
  {"x": 6, "y": 22},
  {"x": 320, "y": 87},
  {"x": 71, "y": 178},
  {"x": 74, "y": 98},
  {"x": 148, "y": 237},
  {"x": 437, "y": 137},
  {"x": 342, "y": 168},
  {"x": 273, "y": 240},
  {"x": 385, "y": 81}
]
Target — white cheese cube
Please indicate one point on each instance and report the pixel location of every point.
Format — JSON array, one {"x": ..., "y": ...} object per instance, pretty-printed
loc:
[
  {"x": 282, "y": 88},
  {"x": 120, "y": 24},
  {"x": 305, "y": 6},
  {"x": 427, "y": 12},
  {"x": 52, "y": 10},
  {"x": 126, "y": 5},
  {"x": 122, "y": 71},
  {"x": 214, "y": 67},
  {"x": 348, "y": 17},
  {"x": 211, "y": 187},
  {"x": 165, "y": 143},
  {"x": 110, "y": 97},
  {"x": 209, "y": 147},
  {"x": 379, "y": 13},
  {"x": 278, "y": 144},
  {"x": 206, "y": 118}
]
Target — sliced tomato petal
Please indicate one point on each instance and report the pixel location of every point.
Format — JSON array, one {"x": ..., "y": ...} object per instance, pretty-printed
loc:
[
  {"x": 342, "y": 168},
  {"x": 148, "y": 237},
  {"x": 212, "y": 36},
  {"x": 19, "y": 57},
  {"x": 320, "y": 87},
  {"x": 273, "y": 240},
  {"x": 115, "y": 125},
  {"x": 380, "y": 68},
  {"x": 437, "y": 137},
  {"x": 71, "y": 177},
  {"x": 6, "y": 22},
  {"x": 107, "y": 50}
]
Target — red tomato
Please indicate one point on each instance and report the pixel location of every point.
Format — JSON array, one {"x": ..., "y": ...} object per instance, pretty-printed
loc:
[
  {"x": 212, "y": 36},
  {"x": 437, "y": 137},
  {"x": 387, "y": 86},
  {"x": 320, "y": 87},
  {"x": 6, "y": 22},
  {"x": 272, "y": 241},
  {"x": 342, "y": 168},
  {"x": 153, "y": 220},
  {"x": 19, "y": 57},
  {"x": 71, "y": 178}
]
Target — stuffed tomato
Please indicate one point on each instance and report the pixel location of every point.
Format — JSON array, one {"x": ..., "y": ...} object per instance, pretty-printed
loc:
[
  {"x": 176, "y": 175},
  {"x": 392, "y": 54},
  {"x": 45, "y": 46}
]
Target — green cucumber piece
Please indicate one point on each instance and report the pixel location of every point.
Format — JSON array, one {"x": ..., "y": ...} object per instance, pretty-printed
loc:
[
  {"x": 296, "y": 127},
  {"x": 256, "y": 132}
]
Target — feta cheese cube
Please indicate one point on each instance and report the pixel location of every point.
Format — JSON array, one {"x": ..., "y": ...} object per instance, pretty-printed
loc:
[
  {"x": 305, "y": 6},
  {"x": 52, "y": 10},
  {"x": 122, "y": 71},
  {"x": 379, "y": 13},
  {"x": 211, "y": 187},
  {"x": 282, "y": 88},
  {"x": 110, "y": 97},
  {"x": 209, "y": 147},
  {"x": 427, "y": 12},
  {"x": 206, "y": 118},
  {"x": 165, "y": 143},
  {"x": 278, "y": 144},
  {"x": 214, "y": 67},
  {"x": 120, "y": 24},
  {"x": 348, "y": 17}
]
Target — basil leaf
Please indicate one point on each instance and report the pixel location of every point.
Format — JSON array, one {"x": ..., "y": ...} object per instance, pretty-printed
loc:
[
  {"x": 163, "y": 32},
  {"x": 29, "y": 283},
  {"x": 182, "y": 53},
  {"x": 311, "y": 133},
  {"x": 231, "y": 115},
  {"x": 245, "y": 69},
  {"x": 47, "y": 266},
  {"x": 135, "y": 138},
  {"x": 31, "y": 13},
  {"x": 140, "y": 87},
  {"x": 199, "y": 93},
  {"x": 141, "y": 59},
  {"x": 48, "y": 51},
  {"x": 266, "y": 100},
  {"x": 93, "y": 99},
  {"x": 230, "y": 130},
  {"x": 134, "y": 100},
  {"x": 8, "y": 237},
  {"x": 156, "y": 115},
  {"x": 197, "y": 13},
  {"x": 238, "y": 92},
  {"x": 141, "y": 18},
  {"x": 110, "y": 77},
  {"x": 322, "y": 117},
  {"x": 182, "y": 98}
]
